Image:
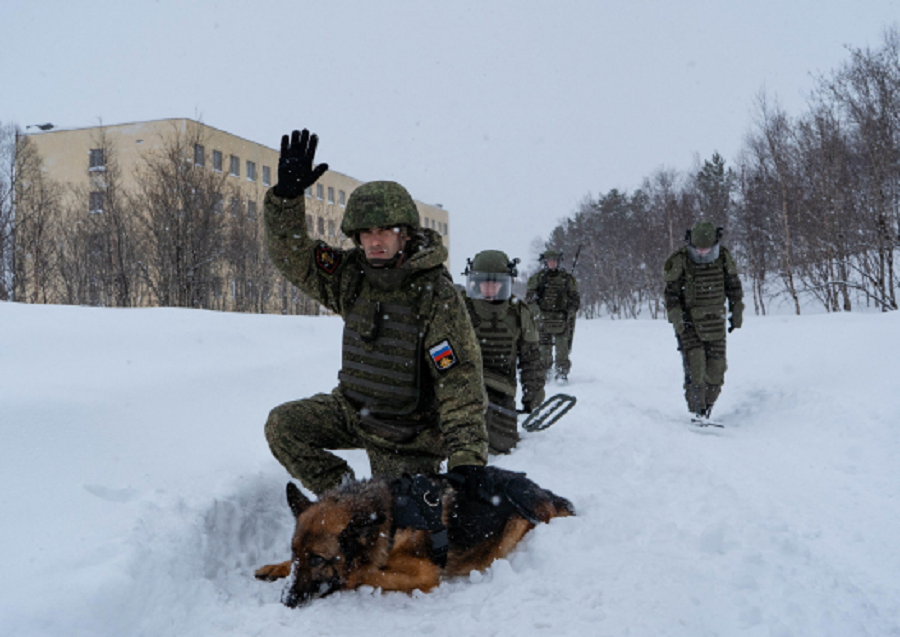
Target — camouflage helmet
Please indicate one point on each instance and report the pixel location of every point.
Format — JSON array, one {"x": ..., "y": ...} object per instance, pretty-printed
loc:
[
  {"x": 552, "y": 254},
  {"x": 704, "y": 235},
  {"x": 491, "y": 261},
  {"x": 379, "y": 204}
]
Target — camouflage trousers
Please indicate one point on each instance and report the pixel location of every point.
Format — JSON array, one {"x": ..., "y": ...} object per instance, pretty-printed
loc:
[
  {"x": 300, "y": 432},
  {"x": 562, "y": 342},
  {"x": 501, "y": 421},
  {"x": 704, "y": 370}
]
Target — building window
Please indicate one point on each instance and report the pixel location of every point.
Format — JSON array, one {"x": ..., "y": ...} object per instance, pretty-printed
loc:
[
  {"x": 321, "y": 227},
  {"x": 331, "y": 227},
  {"x": 251, "y": 209},
  {"x": 96, "y": 202},
  {"x": 309, "y": 224},
  {"x": 342, "y": 197},
  {"x": 97, "y": 160},
  {"x": 217, "y": 160},
  {"x": 218, "y": 204},
  {"x": 267, "y": 176},
  {"x": 330, "y": 194},
  {"x": 308, "y": 191},
  {"x": 425, "y": 224},
  {"x": 199, "y": 155},
  {"x": 251, "y": 170},
  {"x": 320, "y": 191},
  {"x": 235, "y": 168}
]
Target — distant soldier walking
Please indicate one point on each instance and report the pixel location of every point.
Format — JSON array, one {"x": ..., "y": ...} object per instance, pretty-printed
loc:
[
  {"x": 700, "y": 278},
  {"x": 508, "y": 338},
  {"x": 552, "y": 294}
]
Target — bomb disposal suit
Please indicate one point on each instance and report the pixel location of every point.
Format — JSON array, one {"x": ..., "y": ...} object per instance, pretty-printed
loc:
[
  {"x": 508, "y": 339},
  {"x": 700, "y": 278}
]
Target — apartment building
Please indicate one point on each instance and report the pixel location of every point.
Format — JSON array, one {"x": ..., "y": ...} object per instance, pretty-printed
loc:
[{"x": 76, "y": 157}]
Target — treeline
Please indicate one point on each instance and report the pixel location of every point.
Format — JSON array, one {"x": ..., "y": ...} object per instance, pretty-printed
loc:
[
  {"x": 179, "y": 236},
  {"x": 811, "y": 210}
]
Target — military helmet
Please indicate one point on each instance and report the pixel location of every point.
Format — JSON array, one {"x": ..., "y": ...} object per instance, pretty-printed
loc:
[
  {"x": 552, "y": 254},
  {"x": 491, "y": 261},
  {"x": 489, "y": 276},
  {"x": 704, "y": 235},
  {"x": 379, "y": 204}
]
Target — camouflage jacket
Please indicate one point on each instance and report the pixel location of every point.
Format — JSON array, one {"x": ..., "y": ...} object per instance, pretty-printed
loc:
[
  {"x": 553, "y": 297},
  {"x": 452, "y": 386}
]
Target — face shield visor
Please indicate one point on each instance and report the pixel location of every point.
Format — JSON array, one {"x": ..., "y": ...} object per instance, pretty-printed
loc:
[
  {"x": 488, "y": 286},
  {"x": 711, "y": 255}
]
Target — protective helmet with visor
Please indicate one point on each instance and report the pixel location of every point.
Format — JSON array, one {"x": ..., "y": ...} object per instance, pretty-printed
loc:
[{"x": 489, "y": 276}]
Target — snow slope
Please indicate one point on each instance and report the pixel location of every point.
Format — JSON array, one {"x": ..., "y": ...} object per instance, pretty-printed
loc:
[{"x": 137, "y": 493}]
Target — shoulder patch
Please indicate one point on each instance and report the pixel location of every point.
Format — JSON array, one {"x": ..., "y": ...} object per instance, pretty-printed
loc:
[
  {"x": 443, "y": 356},
  {"x": 327, "y": 258}
]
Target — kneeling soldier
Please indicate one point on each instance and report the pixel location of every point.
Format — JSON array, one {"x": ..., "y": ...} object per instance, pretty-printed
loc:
[{"x": 410, "y": 389}]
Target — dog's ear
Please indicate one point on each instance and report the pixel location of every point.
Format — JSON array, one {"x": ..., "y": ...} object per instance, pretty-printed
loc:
[{"x": 296, "y": 500}]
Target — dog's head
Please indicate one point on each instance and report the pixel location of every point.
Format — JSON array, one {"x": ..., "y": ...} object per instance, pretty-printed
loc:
[{"x": 333, "y": 537}]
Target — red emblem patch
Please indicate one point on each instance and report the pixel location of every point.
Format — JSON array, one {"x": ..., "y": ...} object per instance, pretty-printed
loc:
[{"x": 327, "y": 259}]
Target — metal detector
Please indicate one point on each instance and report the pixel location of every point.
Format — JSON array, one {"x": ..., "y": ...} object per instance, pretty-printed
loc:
[{"x": 548, "y": 412}]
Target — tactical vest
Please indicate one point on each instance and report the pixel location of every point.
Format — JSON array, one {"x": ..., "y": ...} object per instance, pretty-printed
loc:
[
  {"x": 382, "y": 358},
  {"x": 704, "y": 297},
  {"x": 497, "y": 328},
  {"x": 553, "y": 292}
]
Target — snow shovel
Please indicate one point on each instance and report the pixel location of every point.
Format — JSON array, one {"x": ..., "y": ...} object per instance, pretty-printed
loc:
[{"x": 548, "y": 412}]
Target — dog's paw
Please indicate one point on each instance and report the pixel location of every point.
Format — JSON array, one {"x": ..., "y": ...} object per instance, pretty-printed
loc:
[{"x": 272, "y": 572}]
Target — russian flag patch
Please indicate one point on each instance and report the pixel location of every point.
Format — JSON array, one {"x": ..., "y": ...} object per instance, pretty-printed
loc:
[{"x": 443, "y": 356}]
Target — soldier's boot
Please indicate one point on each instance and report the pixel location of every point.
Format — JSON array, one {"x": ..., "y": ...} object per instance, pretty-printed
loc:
[
  {"x": 562, "y": 370},
  {"x": 696, "y": 399},
  {"x": 712, "y": 393}
]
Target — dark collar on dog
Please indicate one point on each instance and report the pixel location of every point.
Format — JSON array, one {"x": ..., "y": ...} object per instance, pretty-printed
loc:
[{"x": 417, "y": 505}]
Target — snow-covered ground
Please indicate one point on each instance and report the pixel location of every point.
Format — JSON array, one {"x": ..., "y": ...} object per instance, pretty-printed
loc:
[{"x": 137, "y": 492}]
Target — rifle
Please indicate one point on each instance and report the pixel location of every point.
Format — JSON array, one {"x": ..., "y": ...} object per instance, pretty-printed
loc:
[{"x": 575, "y": 260}]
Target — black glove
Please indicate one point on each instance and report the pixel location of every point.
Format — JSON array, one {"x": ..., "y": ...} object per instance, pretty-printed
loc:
[
  {"x": 532, "y": 400},
  {"x": 737, "y": 318},
  {"x": 296, "y": 168},
  {"x": 474, "y": 479}
]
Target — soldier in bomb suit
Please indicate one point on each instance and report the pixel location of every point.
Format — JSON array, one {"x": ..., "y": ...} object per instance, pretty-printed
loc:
[
  {"x": 552, "y": 295},
  {"x": 700, "y": 278},
  {"x": 410, "y": 390},
  {"x": 508, "y": 338}
]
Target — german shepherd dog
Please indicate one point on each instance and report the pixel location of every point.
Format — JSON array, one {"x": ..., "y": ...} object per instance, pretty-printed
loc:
[{"x": 404, "y": 534}]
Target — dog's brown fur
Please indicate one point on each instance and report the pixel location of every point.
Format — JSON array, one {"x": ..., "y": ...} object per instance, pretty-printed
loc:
[{"x": 345, "y": 539}]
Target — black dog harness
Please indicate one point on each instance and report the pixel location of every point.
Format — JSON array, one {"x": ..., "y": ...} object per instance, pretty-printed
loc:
[{"x": 417, "y": 505}]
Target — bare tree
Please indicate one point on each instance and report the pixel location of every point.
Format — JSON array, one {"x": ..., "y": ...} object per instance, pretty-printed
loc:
[
  {"x": 179, "y": 206},
  {"x": 103, "y": 236}
]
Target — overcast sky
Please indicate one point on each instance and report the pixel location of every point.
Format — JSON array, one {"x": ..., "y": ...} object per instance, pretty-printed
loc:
[{"x": 508, "y": 113}]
